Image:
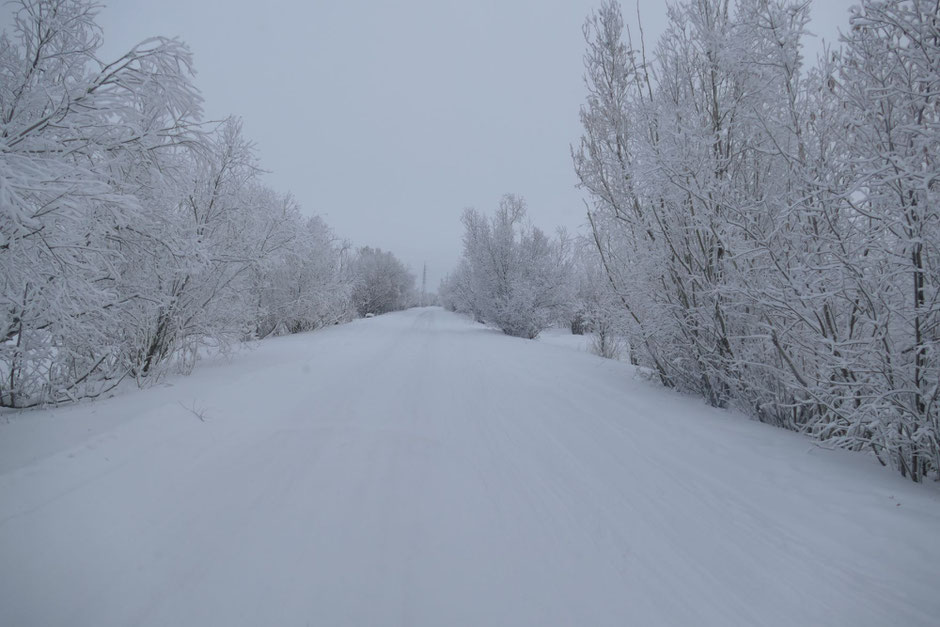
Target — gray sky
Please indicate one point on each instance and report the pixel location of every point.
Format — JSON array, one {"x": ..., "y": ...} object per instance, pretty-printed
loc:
[{"x": 388, "y": 118}]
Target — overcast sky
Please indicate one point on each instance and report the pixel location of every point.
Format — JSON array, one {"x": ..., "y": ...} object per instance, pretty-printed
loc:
[{"x": 388, "y": 118}]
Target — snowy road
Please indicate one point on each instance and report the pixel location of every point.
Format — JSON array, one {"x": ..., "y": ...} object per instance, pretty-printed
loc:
[{"x": 418, "y": 469}]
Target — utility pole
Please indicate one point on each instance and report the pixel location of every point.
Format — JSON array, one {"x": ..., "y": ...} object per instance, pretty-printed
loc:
[{"x": 424, "y": 285}]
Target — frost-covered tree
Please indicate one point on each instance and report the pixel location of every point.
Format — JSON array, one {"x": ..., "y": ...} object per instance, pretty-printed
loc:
[
  {"x": 596, "y": 307},
  {"x": 381, "y": 283},
  {"x": 888, "y": 260},
  {"x": 767, "y": 229},
  {"x": 307, "y": 283},
  {"x": 131, "y": 234},
  {"x": 511, "y": 274},
  {"x": 75, "y": 135},
  {"x": 198, "y": 295}
]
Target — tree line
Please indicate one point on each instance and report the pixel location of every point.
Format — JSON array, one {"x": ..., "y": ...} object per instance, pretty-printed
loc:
[
  {"x": 763, "y": 232},
  {"x": 132, "y": 233},
  {"x": 769, "y": 228}
]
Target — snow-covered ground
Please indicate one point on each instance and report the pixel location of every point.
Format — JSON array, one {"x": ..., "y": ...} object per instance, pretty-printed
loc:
[{"x": 420, "y": 469}]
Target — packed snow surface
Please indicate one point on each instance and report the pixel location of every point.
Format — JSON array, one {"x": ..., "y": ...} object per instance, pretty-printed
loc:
[{"x": 420, "y": 469}]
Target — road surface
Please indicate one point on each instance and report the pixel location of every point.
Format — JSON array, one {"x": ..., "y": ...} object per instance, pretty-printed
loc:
[{"x": 420, "y": 469}]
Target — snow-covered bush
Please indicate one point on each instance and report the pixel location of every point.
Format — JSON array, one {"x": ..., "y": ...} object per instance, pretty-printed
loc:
[
  {"x": 511, "y": 274},
  {"x": 305, "y": 282},
  {"x": 381, "y": 283},
  {"x": 596, "y": 306}
]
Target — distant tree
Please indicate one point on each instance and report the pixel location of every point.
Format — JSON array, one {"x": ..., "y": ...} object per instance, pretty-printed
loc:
[
  {"x": 511, "y": 274},
  {"x": 307, "y": 283},
  {"x": 596, "y": 307},
  {"x": 381, "y": 282}
]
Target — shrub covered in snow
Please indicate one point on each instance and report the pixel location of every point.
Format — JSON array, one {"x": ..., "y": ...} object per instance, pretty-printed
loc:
[
  {"x": 511, "y": 274},
  {"x": 381, "y": 283}
]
